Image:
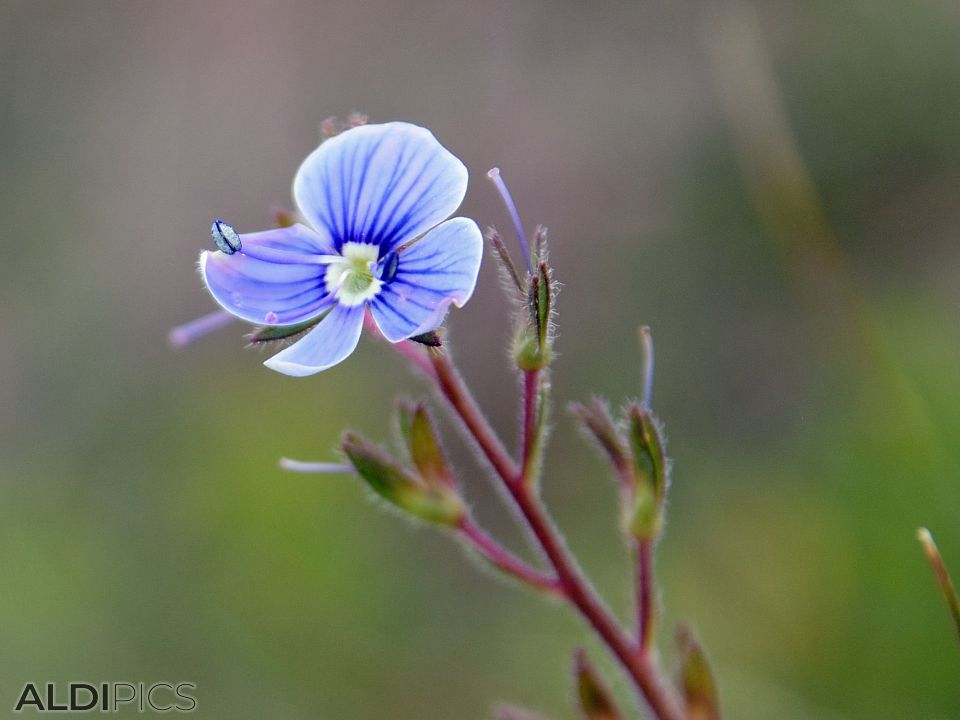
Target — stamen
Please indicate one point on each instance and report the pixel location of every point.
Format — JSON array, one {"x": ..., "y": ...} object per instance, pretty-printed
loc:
[
  {"x": 270, "y": 318},
  {"x": 494, "y": 175},
  {"x": 390, "y": 263},
  {"x": 183, "y": 335},
  {"x": 316, "y": 467},
  {"x": 225, "y": 237}
]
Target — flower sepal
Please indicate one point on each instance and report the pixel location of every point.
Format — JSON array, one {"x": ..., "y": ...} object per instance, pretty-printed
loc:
[
  {"x": 438, "y": 504},
  {"x": 697, "y": 683},
  {"x": 596, "y": 701}
]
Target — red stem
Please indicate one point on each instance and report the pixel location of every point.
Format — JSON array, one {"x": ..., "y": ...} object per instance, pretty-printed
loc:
[
  {"x": 641, "y": 667},
  {"x": 505, "y": 560},
  {"x": 645, "y": 601},
  {"x": 531, "y": 391}
]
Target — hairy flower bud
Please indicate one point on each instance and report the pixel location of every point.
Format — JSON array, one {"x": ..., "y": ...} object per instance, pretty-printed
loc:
[
  {"x": 697, "y": 684},
  {"x": 435, "y": 504},
  {"x": 596, "y": 702}
]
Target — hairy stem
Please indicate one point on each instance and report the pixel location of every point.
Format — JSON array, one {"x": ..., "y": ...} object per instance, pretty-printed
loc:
[
  {"x": 646, "y": 607},
  {"x": 502, "y": 558},
  {"x": 641, "y": 667},
  {"x": 531, "y": 426}
]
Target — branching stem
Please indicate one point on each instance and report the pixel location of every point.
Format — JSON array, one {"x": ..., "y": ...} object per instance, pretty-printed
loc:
[{"x": 640, "y": 666}]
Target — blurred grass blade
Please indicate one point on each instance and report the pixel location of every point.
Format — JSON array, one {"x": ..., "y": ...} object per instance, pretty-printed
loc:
[
  {"x": 595, "y": 700},
  {"x": 943, "y": 577}
]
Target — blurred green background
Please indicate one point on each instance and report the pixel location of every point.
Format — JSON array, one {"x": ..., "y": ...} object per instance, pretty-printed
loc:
[{"x": 775, "y": 189}]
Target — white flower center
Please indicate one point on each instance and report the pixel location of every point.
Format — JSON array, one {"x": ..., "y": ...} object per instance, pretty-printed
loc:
[{"x": 351, "y": 278}]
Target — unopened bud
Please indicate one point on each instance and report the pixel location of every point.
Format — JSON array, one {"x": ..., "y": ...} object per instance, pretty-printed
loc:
[
  {"x": 697, "y": 684},
  {"x": 541, "y": 303},
  {"x": 528, "y": 353},
  {"x": 441, "y": 505},
  {"x": 425, "y": 450},
  {"x": 650, "y": 471},
  {"x": 596, "y": 702}
]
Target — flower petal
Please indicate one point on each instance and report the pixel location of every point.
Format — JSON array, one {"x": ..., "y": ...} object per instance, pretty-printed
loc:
[
  {"x": 326, "y": 345},
  {"x": 275, "y": 291},
  {"x": 382, "y": 184},
  {"x": 439, "y": 269}
]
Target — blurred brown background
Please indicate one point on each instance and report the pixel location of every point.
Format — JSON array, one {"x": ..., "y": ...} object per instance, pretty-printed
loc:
[{"x": 774, "y": 188}]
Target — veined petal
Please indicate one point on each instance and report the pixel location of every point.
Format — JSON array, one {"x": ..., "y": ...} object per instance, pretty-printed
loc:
[
  {"x": 382, "y": 184},
  {"x": 439, "y": 269},
  {"x": 281, "y": 290},
  {"x": 326, "y": 345}
]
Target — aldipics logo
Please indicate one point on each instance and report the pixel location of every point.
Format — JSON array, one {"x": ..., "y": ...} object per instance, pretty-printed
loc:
[{"x": 158, "y": 697}]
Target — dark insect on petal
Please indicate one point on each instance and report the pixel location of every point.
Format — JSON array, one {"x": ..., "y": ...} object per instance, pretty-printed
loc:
[
  {"x": 390, "y": 263},
  {"x": 224, "y": 237}
]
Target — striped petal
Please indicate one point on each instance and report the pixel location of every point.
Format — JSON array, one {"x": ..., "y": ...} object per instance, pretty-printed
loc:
[
  {"x": 439, "y": 269},
  {"x": 326, "y": 345},
  {"x": 382, "y": 184},
  {"x": 274, "y": 278}
]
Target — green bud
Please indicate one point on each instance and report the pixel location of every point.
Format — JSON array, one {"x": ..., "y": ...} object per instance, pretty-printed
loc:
[
  {"x": 596, "y": 702},
  {"x": 441, "y": 505},
  {"x": 425, "y": 450},
  {"x": 528, "y": 353},
  {"x": 645, "y": 516},
  {"x": 540, "y": 301},
  {"x": 697, "y": 684},
  {"x": 942, "y": 576},
  {"x": 650, "y": 472}
]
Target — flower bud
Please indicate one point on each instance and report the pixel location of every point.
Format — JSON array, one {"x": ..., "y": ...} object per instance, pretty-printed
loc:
[
  {"x": 697, "y": 684},
  {"x": 528, "y": 353},
  {"x": 425, "y": 450},
  {"x": 441, "y": 505},
  {"x": 596, "y": 702},
  {"x": 541, "y": 303},
  {"x": 650, "y": 471}
]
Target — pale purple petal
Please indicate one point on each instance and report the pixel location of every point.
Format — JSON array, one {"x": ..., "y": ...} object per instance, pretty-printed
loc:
[
  {"x": 274, "y": 279},
  {"x": 439, "y": 269},
  {"x": 326, "y": 345},
  {"x": 382, "y": 184}
]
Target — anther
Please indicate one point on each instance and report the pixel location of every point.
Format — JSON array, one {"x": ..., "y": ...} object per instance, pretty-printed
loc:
[
  {"x": 225, "y": 237},
  {"x": 390, "y": 263}
]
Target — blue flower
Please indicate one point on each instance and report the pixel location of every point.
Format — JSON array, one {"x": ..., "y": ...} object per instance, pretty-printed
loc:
[{"x": 376, "y": 198}]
